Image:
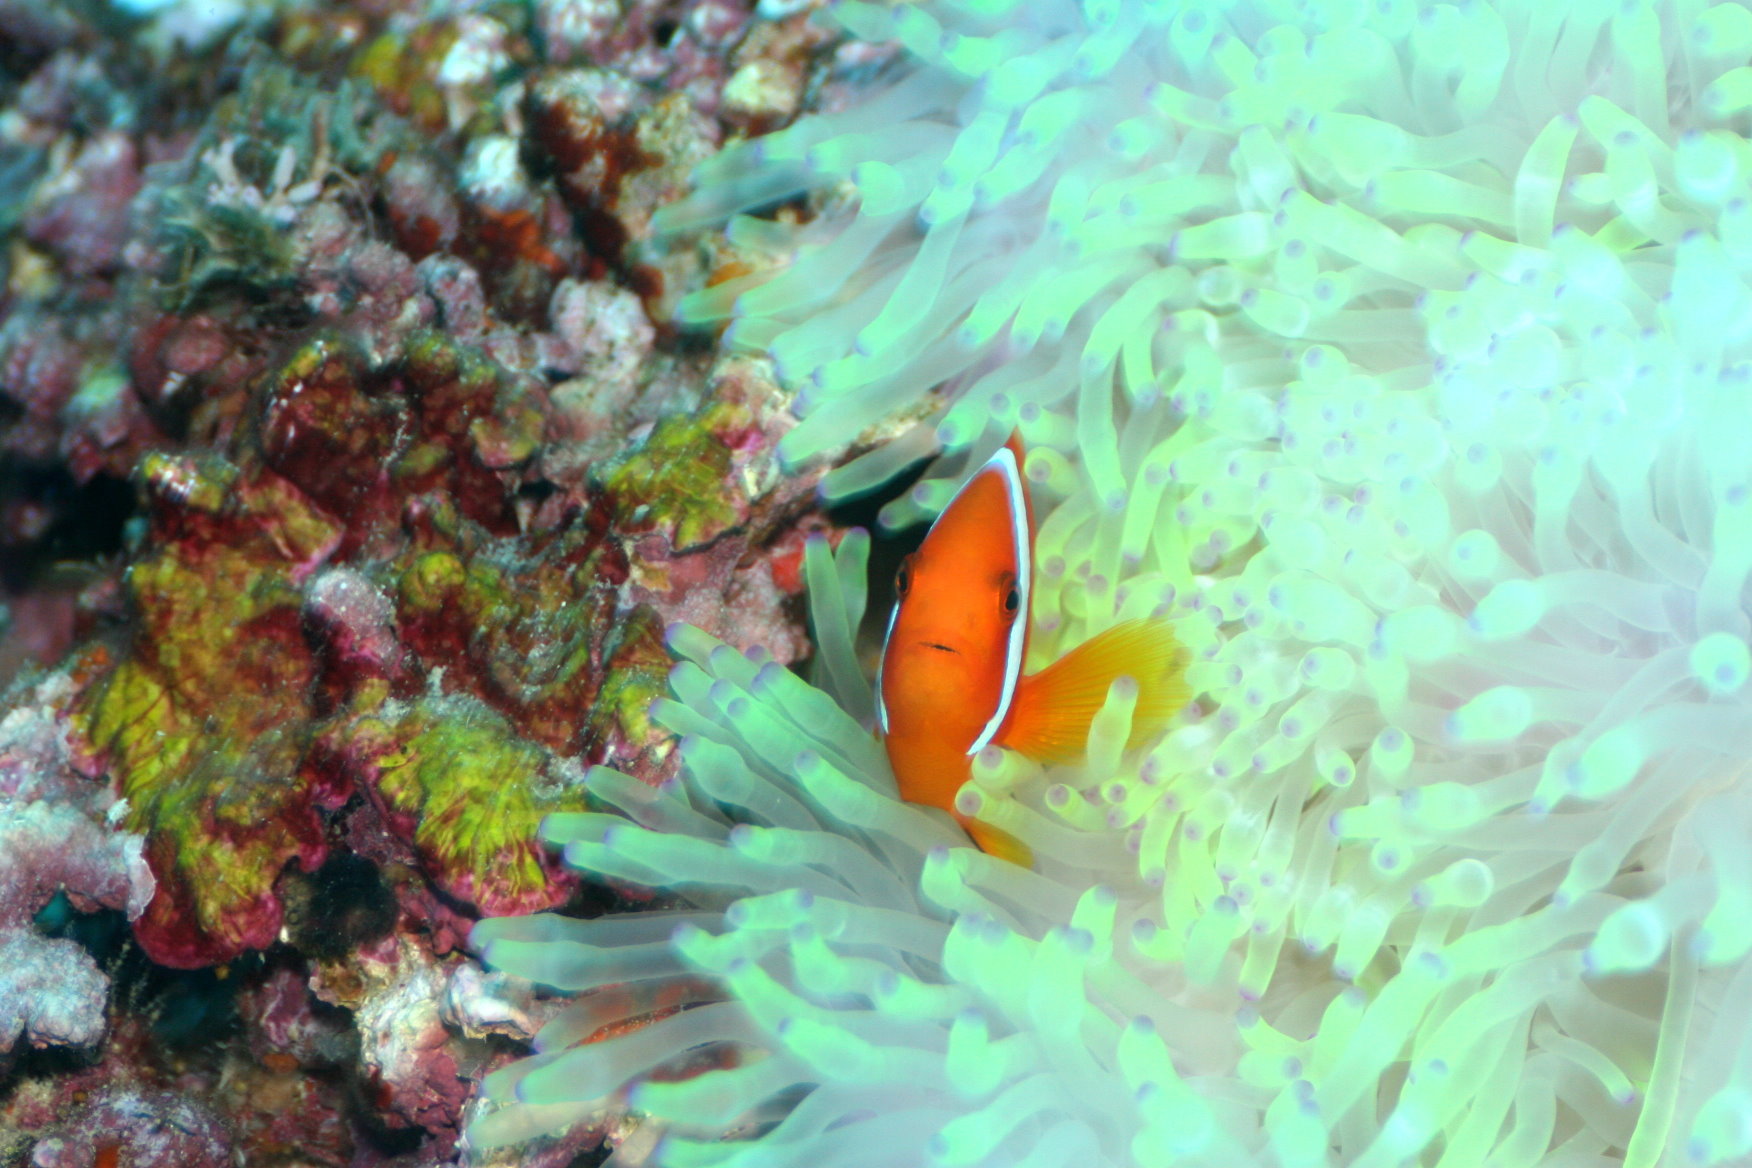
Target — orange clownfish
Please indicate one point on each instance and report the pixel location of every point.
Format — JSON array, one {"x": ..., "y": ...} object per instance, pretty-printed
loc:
[{"x": 951, "y": 680}]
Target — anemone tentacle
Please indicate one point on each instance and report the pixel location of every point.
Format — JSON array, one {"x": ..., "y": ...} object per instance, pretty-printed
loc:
[{"x": 1402, "y": 357}]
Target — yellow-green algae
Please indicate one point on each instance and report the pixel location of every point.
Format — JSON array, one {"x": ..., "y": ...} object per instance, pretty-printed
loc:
[
  {"x": 497, "y": 653},
  {"x": 518, "y": 628},
  {"x": 202, "y": 759},
  {"x": 674, "y": 482},
  {"x": 471, "y": 788},
  {"x": 459, "y": 388},
  {"x": 637, "y": 674}
]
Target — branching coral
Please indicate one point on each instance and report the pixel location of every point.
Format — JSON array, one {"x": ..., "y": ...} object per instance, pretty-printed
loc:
[{"x": 1400, "y": 353}]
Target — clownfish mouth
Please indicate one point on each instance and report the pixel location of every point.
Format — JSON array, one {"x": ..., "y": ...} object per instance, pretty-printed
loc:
[{"x": 935, "y": 645}]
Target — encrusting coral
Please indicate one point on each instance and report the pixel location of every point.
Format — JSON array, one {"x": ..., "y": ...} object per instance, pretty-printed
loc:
[{"x": 1400, "y": 355}]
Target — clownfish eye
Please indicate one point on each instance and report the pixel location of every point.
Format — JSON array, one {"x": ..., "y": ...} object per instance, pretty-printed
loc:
[
  {"x": 1011, "y": 597},
  {"x": 903, "y": 578}
]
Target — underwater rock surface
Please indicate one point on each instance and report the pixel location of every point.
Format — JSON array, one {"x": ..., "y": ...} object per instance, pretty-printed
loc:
[{"x": 350, "y": 472}]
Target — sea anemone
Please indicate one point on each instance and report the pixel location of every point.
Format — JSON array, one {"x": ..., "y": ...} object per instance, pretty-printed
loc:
[{"x": 1399, "y": 355}]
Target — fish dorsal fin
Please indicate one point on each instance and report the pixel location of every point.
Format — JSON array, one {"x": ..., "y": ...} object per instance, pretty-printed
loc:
[{"x": 1050, "y": 715}]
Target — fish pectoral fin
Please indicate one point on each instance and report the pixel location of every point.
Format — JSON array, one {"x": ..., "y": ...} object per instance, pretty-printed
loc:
[
  {"x": 1050, "y": 716},
  {"x": 995, "y": 841}
]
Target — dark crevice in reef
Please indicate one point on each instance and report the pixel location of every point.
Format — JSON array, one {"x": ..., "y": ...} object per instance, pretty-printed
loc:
[
  {"x": 341, "y": 906},
  {"x": 592, "y": 1157},
  {"x": 89, "y": 523},
  {"x": 190, "y": 1013}
]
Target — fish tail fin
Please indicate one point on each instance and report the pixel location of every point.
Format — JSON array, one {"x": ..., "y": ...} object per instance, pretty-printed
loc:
[{"x": 1050, "y": 716}]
